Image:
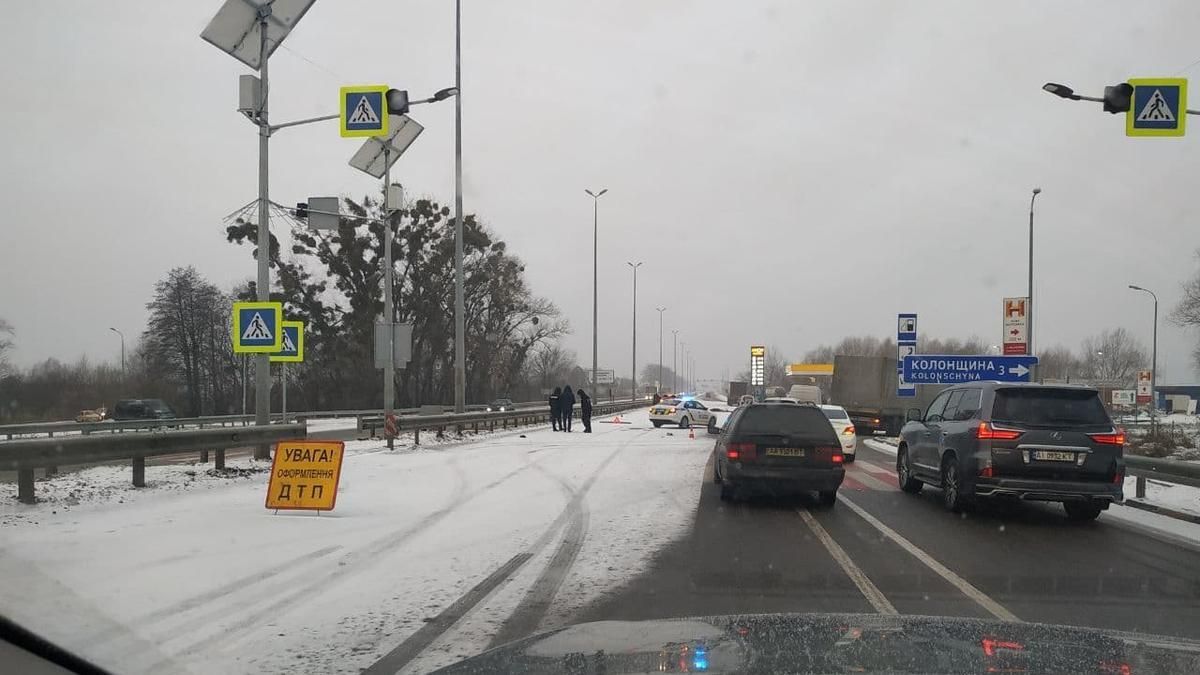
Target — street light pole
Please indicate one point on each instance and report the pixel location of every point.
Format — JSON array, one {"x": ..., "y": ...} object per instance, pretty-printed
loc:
[
  {"x": 122, "y": 351},
  {"x": 389, "y": 309},
  {"x": 262, "y": 364},
  {"x": 675, "y": 362},
  {"x": 633, "y": 377},
  {"x": 658, "y": 387},
  {"x": 1153, "y": 360},
  {"x": 460, "y": 323},
  {"x": 595, "y": 278},
  {"x": 1029, "y": 308}
]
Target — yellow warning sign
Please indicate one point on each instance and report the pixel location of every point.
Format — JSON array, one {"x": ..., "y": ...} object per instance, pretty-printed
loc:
[{"x": 304, "y": 475}]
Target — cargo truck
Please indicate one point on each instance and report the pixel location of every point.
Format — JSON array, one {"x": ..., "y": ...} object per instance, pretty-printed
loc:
[
  {"x": 866, "y": 387},
  {"x": 736, "y": 391}
]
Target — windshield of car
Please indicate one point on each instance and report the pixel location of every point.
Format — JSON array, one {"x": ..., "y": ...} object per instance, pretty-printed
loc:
[
  {"x": 1049, "y": 407},
  {"x": 417, "y": 327},
  {"x": 787, "y": 420}
]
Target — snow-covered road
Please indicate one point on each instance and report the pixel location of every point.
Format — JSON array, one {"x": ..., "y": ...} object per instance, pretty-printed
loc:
[{"x": 208, "y": 581}]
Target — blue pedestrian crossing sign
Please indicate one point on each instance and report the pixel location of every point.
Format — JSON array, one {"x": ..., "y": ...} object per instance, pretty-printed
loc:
[
  {"x": 292, "y": 348},
  {"x": 256, "y": 327},
  {"x": 1158, "y": 107},
  {"x": 364, "y": 111}
]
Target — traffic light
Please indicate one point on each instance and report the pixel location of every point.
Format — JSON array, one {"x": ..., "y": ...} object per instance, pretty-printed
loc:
[
  {"x": 397, "y": 101},
  {"x": 1118, "y": 97},
  {"x": 301, "y": 210}
]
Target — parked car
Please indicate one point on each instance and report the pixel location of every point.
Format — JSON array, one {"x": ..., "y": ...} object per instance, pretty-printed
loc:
[
  {"x": 142, "y": 409},
  {"x": 1021, "y": 441},
  {"x": 839, "y": 419},
  {"x": 89, "y": 416},
  {"x": 781, "y": 447},
  {"x": 501, "y": 405},
  {"x": 684, "y": 413}
]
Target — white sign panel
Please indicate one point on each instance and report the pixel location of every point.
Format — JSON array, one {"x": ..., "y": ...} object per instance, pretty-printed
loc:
[
  {"x": 1123, "y": 396},
  {"x": 1016, "y": 326}
]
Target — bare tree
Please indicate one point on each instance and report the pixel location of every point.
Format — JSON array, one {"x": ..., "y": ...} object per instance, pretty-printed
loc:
[
  {"x": 1058, "y": 363},
  {"x": 6, "y": 344},
  {"x": 1187, "y": 312},
  {"x": 1113, "y": 356},
  {"x": 551, "y": 365}
]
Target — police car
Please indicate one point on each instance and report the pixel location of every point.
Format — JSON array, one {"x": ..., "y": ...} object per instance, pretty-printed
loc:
[{"x": 683, "y": 412}]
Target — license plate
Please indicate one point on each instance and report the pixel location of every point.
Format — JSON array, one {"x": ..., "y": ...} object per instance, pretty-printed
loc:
[
  {"x": 1053, "y": 456},
  {"x": 785, "y": 452}
]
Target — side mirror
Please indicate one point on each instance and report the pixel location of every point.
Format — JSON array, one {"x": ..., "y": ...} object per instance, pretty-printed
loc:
[{"x": 914, "y": 415}]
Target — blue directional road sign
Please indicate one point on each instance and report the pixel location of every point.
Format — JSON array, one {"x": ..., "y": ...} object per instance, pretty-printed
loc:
[
  {"x": 256, "y": 327},
  {"x": 1158, "y": 107},
  {"x": 956, "y": 369}
]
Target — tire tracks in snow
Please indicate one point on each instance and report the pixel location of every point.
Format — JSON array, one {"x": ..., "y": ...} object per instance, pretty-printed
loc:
[
  {"x": 525, "y": 618},
  {"x": 360, "y": 557}
]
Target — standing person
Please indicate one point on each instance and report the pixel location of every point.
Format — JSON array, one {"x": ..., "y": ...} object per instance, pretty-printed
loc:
[
  {"x": 585, "y": 411},
  {"x": 566, "y": 404},
  {"x": 555, "y": 408}
]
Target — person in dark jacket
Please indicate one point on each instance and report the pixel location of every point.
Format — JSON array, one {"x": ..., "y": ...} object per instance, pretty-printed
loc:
[
  {"x": 585, "y": 411},
  {"x": 566, "y": 404},
  {"x": 555, "y": 408}
]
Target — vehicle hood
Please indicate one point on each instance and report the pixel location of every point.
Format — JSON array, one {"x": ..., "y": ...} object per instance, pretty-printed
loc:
[{"x": 834, "y": 643}]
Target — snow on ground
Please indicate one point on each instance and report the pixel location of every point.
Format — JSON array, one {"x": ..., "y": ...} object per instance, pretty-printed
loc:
[
  {"x": 194, "y": 575},
  {"x": 1170, "y": 495}
]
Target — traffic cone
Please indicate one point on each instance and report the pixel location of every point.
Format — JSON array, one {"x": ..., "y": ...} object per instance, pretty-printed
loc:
[
  {"x": 691, "y": 433},
  {"x": 617, "y": 419}
]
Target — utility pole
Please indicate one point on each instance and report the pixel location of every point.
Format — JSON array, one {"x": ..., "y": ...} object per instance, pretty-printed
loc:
[
  {"x": 595, "y": 278},
  {"x": 460, "y": 322},
  {"x": 1029, "y": 308},
  {"x": 675, "y": 362},
  {"x": 1153, "y": 362},
  {"x": 262, "y": 363},
  {"x": 658, "y": 387},
  {"x": 122, "y": 351},
  {"x": 634, "y": 374}
]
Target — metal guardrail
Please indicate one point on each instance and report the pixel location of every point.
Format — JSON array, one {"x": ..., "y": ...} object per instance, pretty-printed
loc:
[
  {"x": 1167, "y": 470},
  {"x": 521, "y": 417},
  {"x": 11, "y": 431},
  {"x": 23, "y": 456}
]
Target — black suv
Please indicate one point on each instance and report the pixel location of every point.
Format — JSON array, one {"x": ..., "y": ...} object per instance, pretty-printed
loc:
[
  {"x": 1022, "y": 441},
  {"x": 785, "y": 447},
  {"x": 142, "y": 409}
]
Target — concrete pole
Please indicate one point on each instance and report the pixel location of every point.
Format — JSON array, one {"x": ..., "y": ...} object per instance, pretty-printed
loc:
[
  {"x": 389, "y": 311},
  {"x": 460, "y": 323},
  {"x": 262, "y": 364}
]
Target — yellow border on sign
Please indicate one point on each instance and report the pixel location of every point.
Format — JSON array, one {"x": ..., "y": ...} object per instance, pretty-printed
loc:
[
  {"x": 276, "y": 307},
  {"x": 299, "y": 357},
  {"x": 383, "y": 114},
  {"x": 277, "y": 503},
  {"x": 1181, "y": 114}
]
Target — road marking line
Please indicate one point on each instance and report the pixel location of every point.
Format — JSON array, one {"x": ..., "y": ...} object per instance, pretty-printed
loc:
[
  {"x": 868, "y": 480},
  {"x": 875, "y": 469},
  {"x": 869, "y": 590},
  {"x": 996, "y": 609}
]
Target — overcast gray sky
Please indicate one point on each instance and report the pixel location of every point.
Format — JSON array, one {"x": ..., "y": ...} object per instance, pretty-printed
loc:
[{"x": 789, "y": 172}]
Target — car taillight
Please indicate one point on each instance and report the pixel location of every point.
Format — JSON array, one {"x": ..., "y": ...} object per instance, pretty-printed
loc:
[
  {"x": 992, "y": 645},
  {"x": 986, "y": 472},
  {"x": 987, "y": 432},
  {"x": 1118, "y": 477},
  {"x": 848, "y": 431},
  {"x": 838, "y": 458},
  {"x": 739, "y": 451},
  {"x": 1114, "y": 437}
]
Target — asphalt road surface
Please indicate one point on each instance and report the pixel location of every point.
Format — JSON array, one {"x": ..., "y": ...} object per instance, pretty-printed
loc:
[{"x": 881, "y": 550}]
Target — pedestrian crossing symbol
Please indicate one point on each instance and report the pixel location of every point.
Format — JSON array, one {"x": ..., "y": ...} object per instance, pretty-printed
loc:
[
  {"x": 363, "y": 111},
  {"x": 292, "y": 349},
  {"x": 1158, "y": 107},
  {"x": 256, "y": 327}
]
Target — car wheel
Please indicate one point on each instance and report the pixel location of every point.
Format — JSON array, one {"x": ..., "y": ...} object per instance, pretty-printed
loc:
[
  {"x": 726, "y": 491},
  {"x": 904, "y": 475},
  {"x": 828, "y": 498},
  {"x": 1082, "y": 511},
  {"x": 849, "y": 459},
  {"x": 952, "y": 495},
  {"x": 684, "y": 422},
  {"x": 656, "y": 423}
]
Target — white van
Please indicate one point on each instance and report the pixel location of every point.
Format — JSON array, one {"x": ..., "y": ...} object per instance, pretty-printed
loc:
[{"x": 805, "y": 393}]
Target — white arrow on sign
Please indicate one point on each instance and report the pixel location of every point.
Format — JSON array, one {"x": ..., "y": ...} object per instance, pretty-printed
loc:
[{"x": 1020, "y": 371}]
